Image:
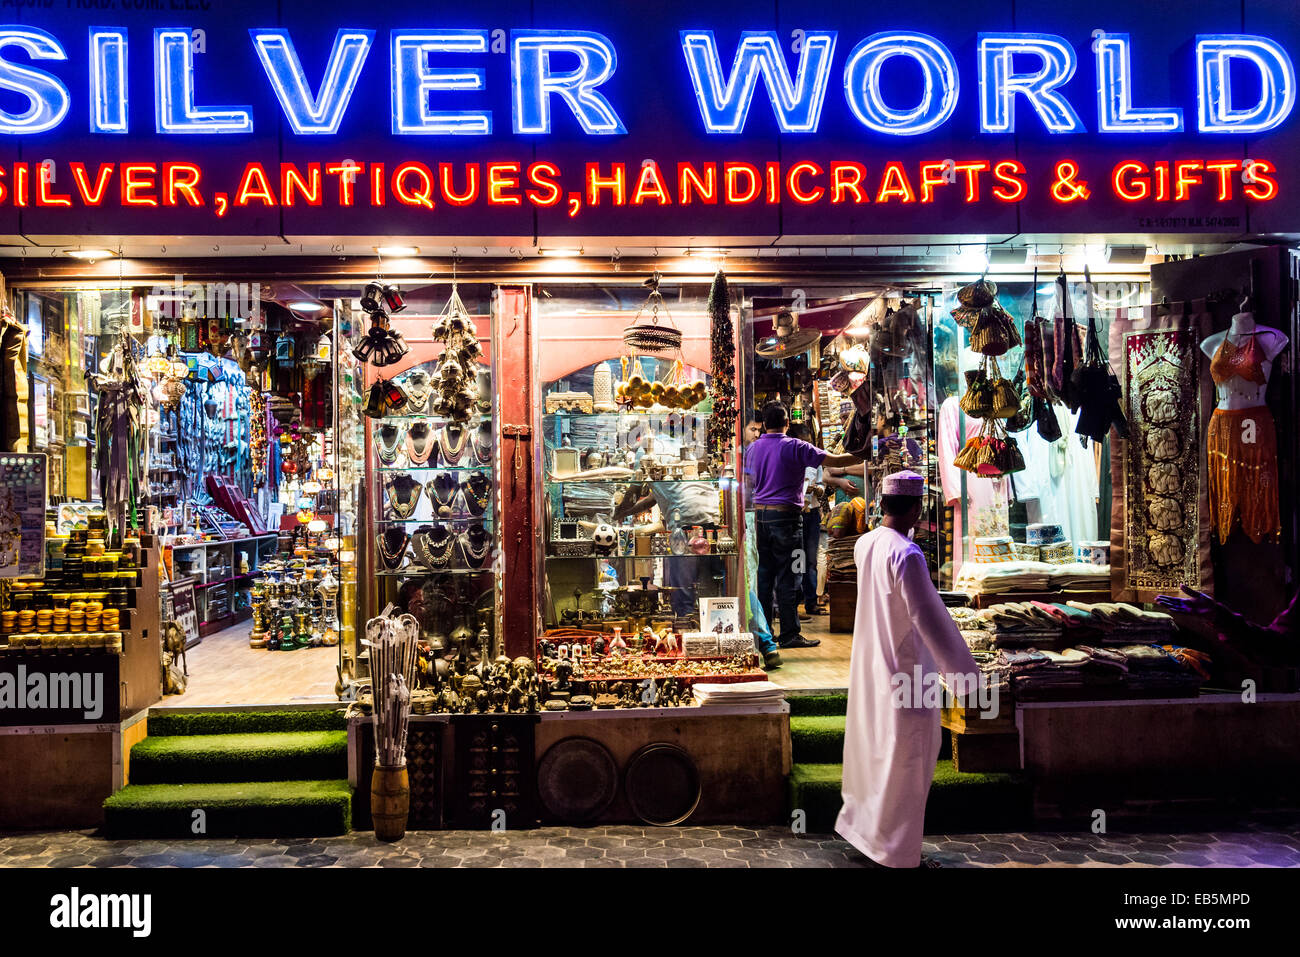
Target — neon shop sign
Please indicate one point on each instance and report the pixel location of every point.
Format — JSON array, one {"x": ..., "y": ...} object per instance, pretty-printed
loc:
[{"x": 550, "y": 70}]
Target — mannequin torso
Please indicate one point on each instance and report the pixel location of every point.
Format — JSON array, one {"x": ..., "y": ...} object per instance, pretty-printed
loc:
[{"x": 1236, "y": 391}]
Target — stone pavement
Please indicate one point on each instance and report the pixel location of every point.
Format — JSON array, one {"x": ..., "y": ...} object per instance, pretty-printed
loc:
[{"x": 1263, "y": 841}]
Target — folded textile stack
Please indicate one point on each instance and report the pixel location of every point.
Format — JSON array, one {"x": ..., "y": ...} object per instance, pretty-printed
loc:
[
  {"x": 1022, "y": 625},
  {"x": 741, "y": 692},
  {"x": 1119, "y": 623},
  {"x": 995, "y": 578},
  {"x": 1081, "y": 576},
  {"x": 1084, "y": 670},
  {"x": 1191, "y": 659},
  {"x": 1152, "y": 668},
  {"x": 839, "y": 559},
  {"x": 975, "y": 629}
]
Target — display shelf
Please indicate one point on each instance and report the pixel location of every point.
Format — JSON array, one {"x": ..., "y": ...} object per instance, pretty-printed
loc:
[
  {"x": 434, "y": 468},
  {"x": 422, "y": 572},
  {"x": 437, "y": 419},
  {"x": 226, "y": 581},
  {"x": 632, "y": 481},
  {"x": 461, "y": 517},
  {"x": 617, "y": 418},
  {"x": 636, "y": 558}
]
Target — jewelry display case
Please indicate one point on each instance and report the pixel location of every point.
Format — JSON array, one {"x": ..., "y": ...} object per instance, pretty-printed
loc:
[
  {"x": 639, "y": 519},
  {"x": 431, "y": 490}
]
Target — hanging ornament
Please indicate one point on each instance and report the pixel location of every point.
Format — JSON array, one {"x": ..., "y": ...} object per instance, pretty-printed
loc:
[
  {"x": 456, "y": 391},
  {"x": 649, "y": 335},
  {"x": 381, "y": 345},
  {"x": 722, "y": 386}
]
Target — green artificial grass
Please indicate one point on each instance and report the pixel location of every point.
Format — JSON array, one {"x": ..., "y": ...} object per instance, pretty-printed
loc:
[
  {"x": 820, "y": 739},
  {"x": 817, "y": 704},
  {"x": 166, "y": 724},
  {"x": 817, "y": 738},
  {"x": 270, "y": 756},
  {"x": 259, "y": 809},
  {"x": 958, "y": 803}
]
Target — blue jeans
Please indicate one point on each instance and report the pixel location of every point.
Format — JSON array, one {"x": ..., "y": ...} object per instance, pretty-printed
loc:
[
  {"x": 758, "y": 626},
  {"x": 812, "y": 539},
  {"x": 780, "y": 534}
]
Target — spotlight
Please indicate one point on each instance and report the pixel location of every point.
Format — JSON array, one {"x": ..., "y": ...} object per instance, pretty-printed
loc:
[
  {"x": 1126, "y": 255},
  {"x": 90, "y": 255}
]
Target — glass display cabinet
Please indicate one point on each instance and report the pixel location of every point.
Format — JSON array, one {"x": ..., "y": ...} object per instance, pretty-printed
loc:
[
  {"x": 639, "y": 528},
  {"x": 431, "y": 491}
]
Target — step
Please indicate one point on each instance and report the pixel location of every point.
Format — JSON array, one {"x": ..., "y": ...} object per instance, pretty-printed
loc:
[
  {"x": 270, "y": 756},
  {"x": 234, "y": 809},
  {"x": 819, "y": 739},
  {"x": 958, "y": 803},
  {"x": 165, "y": 722},
  {"x": 817, "y": 704}
]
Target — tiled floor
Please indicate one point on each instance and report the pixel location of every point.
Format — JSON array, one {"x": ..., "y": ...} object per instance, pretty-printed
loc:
[
  {"x": 1265, "y": 841},
  {"x": 822, "y": 668},
  {"x": 225, "y": 671}
]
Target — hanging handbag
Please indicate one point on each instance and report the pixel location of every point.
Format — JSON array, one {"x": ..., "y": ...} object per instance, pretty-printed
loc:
[
  {"x": 1096, "y": 387},
  {"x": 978, "y": 400},
  {"x": 1027, "y": 412}
]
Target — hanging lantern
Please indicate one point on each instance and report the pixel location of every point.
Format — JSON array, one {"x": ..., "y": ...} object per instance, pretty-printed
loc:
[
  {"x": 172, "y": 390},
  {"x": 311, "y": 487},
  {"x": 317, "y": 525},
  {"x": 284, "y": 351},
  {"x": 379, "y": 295},
  {"x": 157, "y": 365}
]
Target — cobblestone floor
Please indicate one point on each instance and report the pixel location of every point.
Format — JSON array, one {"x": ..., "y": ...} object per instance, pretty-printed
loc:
[{"x": 1264, "y": 842}]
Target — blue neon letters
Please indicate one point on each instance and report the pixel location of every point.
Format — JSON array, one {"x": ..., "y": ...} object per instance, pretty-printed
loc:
[
  {"x": 1115, "y": 110},
  {"x": 414, "y": 79},
  {"x": 46, "y": 95},
  {"x": 108, "y": 80},
  {"x": 1214, "y": 53},
  {"x": 862, "y": 83},
  {"x": 533, "y": 79},
  {"x": 724, "y": 104},
  {"x": 1000, "y": 81},
  {"x": 173, "y": 84},
  {"x": 323, "y": 112},
  {"x": 437, "y": 79}
]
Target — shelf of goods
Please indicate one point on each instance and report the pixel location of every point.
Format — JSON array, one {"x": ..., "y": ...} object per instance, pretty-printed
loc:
[
  {"x": 75, "y": 612},
  {"x": 432, "y": 496},
  {"x": 222, "y": 573},
  {"x": 606, "y": 577}
]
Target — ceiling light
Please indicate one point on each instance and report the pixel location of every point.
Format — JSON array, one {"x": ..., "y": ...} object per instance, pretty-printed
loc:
[
  {"x": 706, "y": 252},
  {"x": 89, "y": 254},
  {"x": 1008, "y": 255},
  {"x": 398, "y": 250},
  {"x": 306, "y": 305},
  {"x": 1126, "y": 255},
  {"x": 566, "y": 252}
]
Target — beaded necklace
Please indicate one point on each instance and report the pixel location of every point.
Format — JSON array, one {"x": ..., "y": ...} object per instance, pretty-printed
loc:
[{"x": 416, "y": 433}]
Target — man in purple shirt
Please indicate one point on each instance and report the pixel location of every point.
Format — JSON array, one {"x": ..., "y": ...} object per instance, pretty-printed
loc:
[{"x": 774, "y": 469}]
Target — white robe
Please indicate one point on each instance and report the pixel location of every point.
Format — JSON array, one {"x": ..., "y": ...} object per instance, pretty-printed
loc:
[{"x": 890, "y": 752}]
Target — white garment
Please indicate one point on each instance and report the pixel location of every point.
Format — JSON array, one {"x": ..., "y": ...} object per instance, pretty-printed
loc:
[
  {"x": 889, "y": 751},
  {"x": 981, "y": 492},
  {"x": 1062, "y": 475}
]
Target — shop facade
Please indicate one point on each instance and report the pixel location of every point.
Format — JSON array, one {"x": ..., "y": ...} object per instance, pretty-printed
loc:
[{"x": 427, "y": 312}]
